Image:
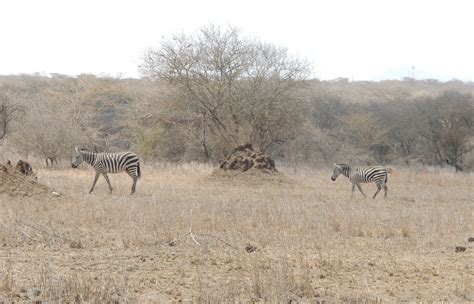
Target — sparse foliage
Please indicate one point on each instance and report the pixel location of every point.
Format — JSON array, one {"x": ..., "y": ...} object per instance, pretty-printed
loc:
[
  {"x": 211, "y": 90},
  {"x": 242, "y": 90},
  {"x": 369, "y": 133},
  {"x": 447, "y": 125}
]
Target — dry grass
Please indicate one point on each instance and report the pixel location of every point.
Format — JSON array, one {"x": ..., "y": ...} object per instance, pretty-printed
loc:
[{"x": 187, "y": 235}]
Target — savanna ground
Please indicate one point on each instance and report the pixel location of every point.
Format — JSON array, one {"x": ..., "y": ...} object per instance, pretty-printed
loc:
[{"x": 187, "y": 235}]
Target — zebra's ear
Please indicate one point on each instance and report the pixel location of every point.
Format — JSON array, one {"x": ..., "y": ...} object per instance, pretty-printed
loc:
[{"x": 76, "y": 149}]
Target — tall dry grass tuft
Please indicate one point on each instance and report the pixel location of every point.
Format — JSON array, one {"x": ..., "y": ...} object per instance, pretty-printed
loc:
[
  {"x": 7, "y": 283},
  {"x": 81, "y": 288}
]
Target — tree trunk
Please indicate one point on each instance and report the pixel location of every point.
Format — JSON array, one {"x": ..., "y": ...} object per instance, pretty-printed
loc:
[{"x": 204, "y": 138}]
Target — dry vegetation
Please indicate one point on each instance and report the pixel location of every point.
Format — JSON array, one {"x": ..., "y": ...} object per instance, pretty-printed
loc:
[
  {"x": 189, "y": 235},
  {"x": 206, "y": 92}
]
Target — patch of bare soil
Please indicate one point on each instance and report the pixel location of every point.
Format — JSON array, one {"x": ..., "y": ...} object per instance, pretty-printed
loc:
[{"x": 14, "y": 183}]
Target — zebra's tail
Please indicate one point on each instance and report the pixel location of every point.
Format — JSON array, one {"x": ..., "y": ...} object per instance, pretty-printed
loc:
[{"x": 138, "y": 170}]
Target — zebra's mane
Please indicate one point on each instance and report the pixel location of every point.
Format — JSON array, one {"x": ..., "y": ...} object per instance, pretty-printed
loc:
[
  {"x": 344, "y": 166},
  {"x": 88, "y": 150}
]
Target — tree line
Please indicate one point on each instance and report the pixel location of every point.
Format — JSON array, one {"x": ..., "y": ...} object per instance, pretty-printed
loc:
[{"x": 202, "y": 94}]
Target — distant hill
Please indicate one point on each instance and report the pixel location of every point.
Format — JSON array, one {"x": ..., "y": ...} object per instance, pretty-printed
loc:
[
  {"x": 402, "y": 72},
  {"x": 384, "y": 90}
]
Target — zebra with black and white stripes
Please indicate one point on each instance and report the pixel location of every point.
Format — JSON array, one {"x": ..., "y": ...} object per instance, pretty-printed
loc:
[
  {"x": 104, "y": 163},
  {"x": 358, "y": 175}
]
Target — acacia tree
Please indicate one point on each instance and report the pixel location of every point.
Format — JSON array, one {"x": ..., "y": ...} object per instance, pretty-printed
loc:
[{"x": 241, "y": 90}]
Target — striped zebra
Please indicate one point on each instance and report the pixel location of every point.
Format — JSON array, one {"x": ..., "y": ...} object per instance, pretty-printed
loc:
[
  {"x": 104, "y": 163},
  {"x": 357, "y": 175}
]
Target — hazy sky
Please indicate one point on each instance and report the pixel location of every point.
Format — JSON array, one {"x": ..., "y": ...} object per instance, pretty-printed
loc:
[{"x": 361, "y": 40}]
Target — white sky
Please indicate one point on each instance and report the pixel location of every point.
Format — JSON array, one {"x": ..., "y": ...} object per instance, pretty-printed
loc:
[{"x": 361, "y": 40}]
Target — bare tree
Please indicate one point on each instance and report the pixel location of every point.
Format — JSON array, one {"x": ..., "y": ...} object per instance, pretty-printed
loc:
[
  {"x": 46, "y": 131},
  {"x": 241, "y": 90},
  {"x": 326, "y": 110},
  {"x": 401, "y": 117},
  {"x": 368, "y": 132},
  {"x": 447, "y": 125},
  {"x": 8, "y": 113}
]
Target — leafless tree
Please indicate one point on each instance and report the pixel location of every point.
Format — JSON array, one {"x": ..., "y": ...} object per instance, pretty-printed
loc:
[
  {"x": 8, "y": 113},
  {"x": 240, "y": 90},
  {"x": 400, "y": 116},
  {"x": 447, "y": 125},
  {"x": 326, "y": 110},
  {"x": 367, "y": 131}
]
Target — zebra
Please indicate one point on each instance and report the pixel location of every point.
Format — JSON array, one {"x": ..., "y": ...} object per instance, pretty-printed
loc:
[
  {"x": 104, "y": 163},
  {"x": 357, "y": 175}
]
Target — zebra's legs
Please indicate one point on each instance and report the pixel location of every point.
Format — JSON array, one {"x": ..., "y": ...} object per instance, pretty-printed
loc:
[
  {"x": 379, "y": 187},
  {"x": 360, "y": 189},
  {"x": 385, "y": 189},
  {"x": 97, "y": 174},
  {"x": 134, "y": 184},
  {"x": 135, "y": 178},
  {"x": 353, "y": 186},
  {"x": 108, "y": 181}
]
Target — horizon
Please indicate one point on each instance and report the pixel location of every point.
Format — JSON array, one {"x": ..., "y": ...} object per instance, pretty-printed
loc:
[
  {"x": 363, "y": 41},
  {"x": 121, "y": 77}
]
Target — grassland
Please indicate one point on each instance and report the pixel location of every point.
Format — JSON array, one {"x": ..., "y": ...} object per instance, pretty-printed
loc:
[{"x": 188, "y": 235}]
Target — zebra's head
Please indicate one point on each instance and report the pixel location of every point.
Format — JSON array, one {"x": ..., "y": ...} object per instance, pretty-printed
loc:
[
  {"x": 76, "y": 158},
  {"x": 337, "y": 171}
]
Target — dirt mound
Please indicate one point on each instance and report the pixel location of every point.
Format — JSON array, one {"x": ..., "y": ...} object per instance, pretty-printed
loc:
[
  {"x": 15, "y": 183},
  {"x": 24, "y": 168},
  {"x": 244, "y": 158},
  {"x": 250, "y": 178}
]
